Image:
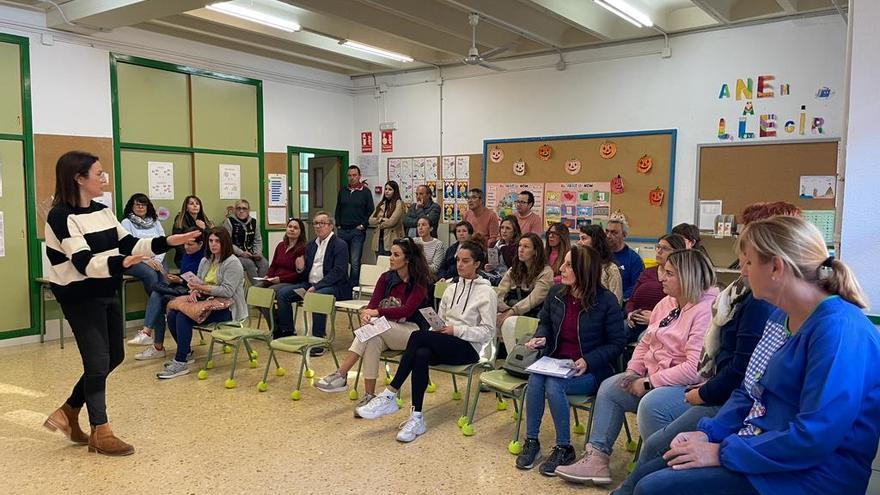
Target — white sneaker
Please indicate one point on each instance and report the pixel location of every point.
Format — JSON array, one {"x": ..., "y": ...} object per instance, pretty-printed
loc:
[
  {"x": 334, "y": 382},
  {"x": 411, "y": 428},
  {"x": 150, "y": 353},
  {"x": 380, "y": 405},
  {"x": 142, "y": 338}
]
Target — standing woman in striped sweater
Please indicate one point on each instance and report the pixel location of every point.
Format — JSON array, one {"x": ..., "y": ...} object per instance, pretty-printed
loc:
[{"x": 88, "y": 250}]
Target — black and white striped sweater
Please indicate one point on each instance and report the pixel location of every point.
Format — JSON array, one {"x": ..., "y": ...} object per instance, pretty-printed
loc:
[{"x": 86, "y": 247}]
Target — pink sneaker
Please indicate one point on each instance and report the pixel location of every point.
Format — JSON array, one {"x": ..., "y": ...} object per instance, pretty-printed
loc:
[{"x": 592, "y": 467}]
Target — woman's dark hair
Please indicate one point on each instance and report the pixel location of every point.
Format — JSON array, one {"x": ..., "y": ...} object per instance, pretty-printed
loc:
[
  {"x": 517, "y": 232},
  {"x": 225, "y": 243},
  {"x": 470, "y": 228},
  {"x": 587, "y": 275},
  {"x": 419, "y": 273},
  {"x": 70, "y": 166},
  {"x": 692, "y": 233},
  {"x": 476, "y": 251},
  {"x": 391, "y": 202},
  {"x": 599, "y": 242},
  {"x": 522, "y": 274},
  {"x": 564, "y": 244},
  {"x": 140, "y": 198},
  {"x": 302, "y": 240},
  {"x": 676, "y": 241},
  {"x": 178, "y": 221}
]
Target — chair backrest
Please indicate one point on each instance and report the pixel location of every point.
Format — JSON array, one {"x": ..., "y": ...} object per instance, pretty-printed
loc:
[
  {"x": 525, "y": 326},
  {"x": 324, "y": 304},
  {"x": 439, "y": 289},
  {"x": 370, "y": 275},
  {"x": 383, "y": 262},
  {"x": 260, "y": 297}
]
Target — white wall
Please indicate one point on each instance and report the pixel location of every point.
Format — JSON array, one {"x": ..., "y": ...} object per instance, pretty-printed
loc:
[
  {"x": 860, "y": 237},
  {"x": 620, "y": 88}
]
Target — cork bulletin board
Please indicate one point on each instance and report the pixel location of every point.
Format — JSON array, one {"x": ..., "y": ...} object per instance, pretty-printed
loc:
[{"x": 647, "y": 221}]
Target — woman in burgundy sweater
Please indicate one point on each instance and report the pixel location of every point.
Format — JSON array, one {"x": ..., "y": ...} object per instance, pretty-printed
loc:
[
  {"x": 289, "y": 258},
  {"x": 648, "y": 291},
  {"x": 399, "y": 294}
]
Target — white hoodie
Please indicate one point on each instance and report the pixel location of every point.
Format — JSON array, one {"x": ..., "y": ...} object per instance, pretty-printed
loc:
[{"x": 470, "y": 307}]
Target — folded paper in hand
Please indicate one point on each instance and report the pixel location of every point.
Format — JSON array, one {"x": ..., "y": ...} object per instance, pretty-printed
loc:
[
  {"x": 432, "y": 318},
  {"x": 370, "y": 330},
  {"x": 191, "y": 278},
  {"x": 560, "y": 368}
]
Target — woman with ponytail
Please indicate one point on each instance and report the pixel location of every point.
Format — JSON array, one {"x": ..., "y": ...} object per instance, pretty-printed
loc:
[{"x": 807, "y": 416}]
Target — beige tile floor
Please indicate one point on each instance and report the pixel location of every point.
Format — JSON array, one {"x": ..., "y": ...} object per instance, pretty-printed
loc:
[{"x": 196, "y": 437}]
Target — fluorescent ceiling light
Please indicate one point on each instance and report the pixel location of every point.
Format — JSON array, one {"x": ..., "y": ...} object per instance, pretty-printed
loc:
[
  {"x": 376, "y": 51},
  {"x": 626, "y": 12},
  {"x": 255, "y": 16}
]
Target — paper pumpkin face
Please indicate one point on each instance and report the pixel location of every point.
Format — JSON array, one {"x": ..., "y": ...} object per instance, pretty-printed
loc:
[
  {"x": 572, "y": 166},
  {"x": 645, "y": 164},
  {"x": 519, "y": 167},
  {"x": 655, "y": 197},
  {"x": 617, "y": 185},
  {"x": 607, "y": 150},
  {"x": 544, "y": 152},
  {"x": 496, "y": 155}
]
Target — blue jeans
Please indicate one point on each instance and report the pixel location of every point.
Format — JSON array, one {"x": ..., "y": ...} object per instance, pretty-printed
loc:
[
  {"x": 286, "y": 296},
  {"x": 181, "y": 327},
  {"x": 154, "y": 316},
  {"x": 659, "y": 407},
  {"x": 355, "y": 240},
  {"x": 146, "y": 275},
  {"x": 716, "y": 480},
  {"x": 657, "y": 444},
  {"x": 555, "y": 390}
]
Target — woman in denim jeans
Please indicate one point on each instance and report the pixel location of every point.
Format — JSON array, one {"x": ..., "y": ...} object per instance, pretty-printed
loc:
[{"x": 581, "y": 321}]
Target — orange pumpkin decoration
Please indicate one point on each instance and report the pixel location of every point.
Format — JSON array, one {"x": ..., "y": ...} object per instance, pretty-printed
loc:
[
  {"x": 572, "y": 166},
  {"x": 656, "y": 197},
  {"x": 544, "y": 152},
  {"x": 617, "y": 185},
  {"x": 645, "y": 164},
  {"x": 607, "y": 150},
  {"x": 496, "y": 155},
  {"x": 519, "y": 167}
]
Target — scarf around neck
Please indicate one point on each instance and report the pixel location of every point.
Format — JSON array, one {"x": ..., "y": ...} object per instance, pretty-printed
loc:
[
  {"x": 723, "y": 310},
  {"x": 143, "y": 223}
]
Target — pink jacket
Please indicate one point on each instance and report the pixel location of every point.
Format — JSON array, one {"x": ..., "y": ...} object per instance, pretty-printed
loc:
[{"x": 670, "y": 355}]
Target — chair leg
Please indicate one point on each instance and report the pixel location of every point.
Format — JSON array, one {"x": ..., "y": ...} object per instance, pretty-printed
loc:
[
  {"x": 264, "y": 385},
  {"x": 333, "y": 353},
  {"x": 589, "y": 425},
  {"x": 230, "y": 382},
  {"x": 209, "y": 363},
  {"x": 296, "y": 394},
  {"x": 357, "y": 378}
]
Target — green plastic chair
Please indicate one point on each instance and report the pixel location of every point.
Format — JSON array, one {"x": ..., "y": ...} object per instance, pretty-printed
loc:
[
  {"x": 313, "y": 303},
  {"x": 506, "y": 385},
  {"x": 234, "y": 334}
]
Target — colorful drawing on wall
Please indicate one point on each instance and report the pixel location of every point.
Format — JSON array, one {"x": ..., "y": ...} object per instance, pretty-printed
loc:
[
  {"x": 519, "y": 167},
  {"x": 577, "y": 203},
  {"x": 722, "y": 131},
  {"x": 544, "y": 152},
  {"x": 448, "y": 212},
  {"x": 655, "y": 197},
  {"x": 432, "y": 186},
  {"x": 645, "y": 164},
  {"x": 449, "y": 191},
  {"x": 572, "y": 166},
  {"x": 617, "y": 185},
  {"x": 462, "y": 191},
  {"x": 768, "y": 125},
  {"x": 501, "y": 198},
  {"x": 765, "y": 86},
  {"x": 461, "y": 208},
  {"x": 607, "y": 150},
  {"x": 496, "y": 155},
  {"x": 749, "y": 109},
  {"x": 817, "y": 186}
]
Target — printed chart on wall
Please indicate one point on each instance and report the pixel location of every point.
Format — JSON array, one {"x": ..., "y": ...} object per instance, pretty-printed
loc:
[
  {"x": 456, "y": 182},
  {"x": 501, "y": 198},
  {"x": 577, "y": 203},
  {"x": 410, "y": 173},
  {"x": 230, "y": 181},
  {"x": 161, "y": 180}
]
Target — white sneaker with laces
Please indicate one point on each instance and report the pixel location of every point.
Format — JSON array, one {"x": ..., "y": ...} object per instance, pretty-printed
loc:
[
  {"x": 142, "y": 338},
  {"x": 380, "y": 405},
  {"x": 411, "y": 428},
  {"x": 150, "y": 353},
  {"x": 334, "y": 382}
]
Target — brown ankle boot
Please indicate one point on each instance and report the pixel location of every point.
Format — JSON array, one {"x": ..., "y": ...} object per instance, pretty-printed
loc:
[
  {"x": 103, "y": 441},
  {"x": 66, "y": 419}
]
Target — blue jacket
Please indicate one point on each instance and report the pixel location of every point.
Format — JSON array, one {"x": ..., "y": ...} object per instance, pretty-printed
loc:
[
  {"x": 600, "y": 330},
  {"x": 739, "y": 336},
  {"x": 335, "y": 266},
  {"x": 821, "y": 391},
  {"x": 631, "y": 265}
]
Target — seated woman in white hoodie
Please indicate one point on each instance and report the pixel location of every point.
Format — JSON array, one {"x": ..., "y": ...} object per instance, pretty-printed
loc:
[{"x": 469, "y": 308}]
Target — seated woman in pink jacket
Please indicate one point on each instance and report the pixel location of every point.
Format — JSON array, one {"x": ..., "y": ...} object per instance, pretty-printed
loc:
[{"x": 663, "y": 364}]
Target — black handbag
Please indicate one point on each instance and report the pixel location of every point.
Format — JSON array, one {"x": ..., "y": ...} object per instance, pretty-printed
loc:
[
  {"x": 171, "y": 290},
  {"x": 520, "y": 358}
]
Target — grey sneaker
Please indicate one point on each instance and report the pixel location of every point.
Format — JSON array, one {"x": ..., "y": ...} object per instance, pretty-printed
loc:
[
  {"x": 175, "y": 369},
  {"x": 363, "y": 402},
  {"x": 150, "y": 353},
  {"x": 334, "y": 382},
  {"x": 190, "y": 359}
]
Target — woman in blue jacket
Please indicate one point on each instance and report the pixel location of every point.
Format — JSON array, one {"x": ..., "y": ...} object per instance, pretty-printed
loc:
[
  {"x": 807, "y": 416},
  {"x": 581, "y": 321}
]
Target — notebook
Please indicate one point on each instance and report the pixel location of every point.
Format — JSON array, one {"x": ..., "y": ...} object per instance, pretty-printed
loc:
[{"x": 560, "y": 368}]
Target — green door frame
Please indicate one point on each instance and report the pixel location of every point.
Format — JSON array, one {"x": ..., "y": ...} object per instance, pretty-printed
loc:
[
  {"x": 119, "y": 146},
  {"x": 35, "y": 265},
  {"x": 318, "y": 152}
]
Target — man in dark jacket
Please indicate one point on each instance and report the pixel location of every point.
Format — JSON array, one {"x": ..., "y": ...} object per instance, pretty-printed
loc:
[
  {"x": 326, "y": 269},
  {"x": 424, "y": 206},
  {"x": 353, "y": 210}
]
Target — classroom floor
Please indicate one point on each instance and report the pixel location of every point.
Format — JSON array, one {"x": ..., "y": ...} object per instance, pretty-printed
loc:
[{"x": 197, "y": 437}]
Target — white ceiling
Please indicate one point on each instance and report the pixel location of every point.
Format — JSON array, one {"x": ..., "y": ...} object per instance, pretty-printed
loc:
[{"x": 432, "y": 32}]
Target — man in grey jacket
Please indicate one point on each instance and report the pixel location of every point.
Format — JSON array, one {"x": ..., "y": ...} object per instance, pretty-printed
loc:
[{"x": 423, "y": 207}]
